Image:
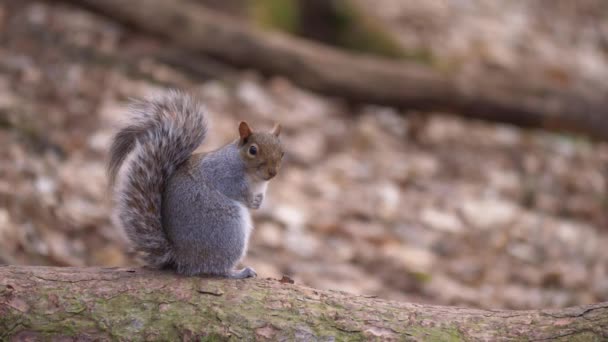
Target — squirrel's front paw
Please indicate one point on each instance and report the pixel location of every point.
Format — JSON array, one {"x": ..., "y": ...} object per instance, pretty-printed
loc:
[
  {"x": 257, "y": 201},
  {"x": 249, "y": 272},
  {"x": 246, "y": 272}
]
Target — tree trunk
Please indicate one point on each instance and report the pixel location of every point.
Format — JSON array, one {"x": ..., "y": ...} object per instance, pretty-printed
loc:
[
  {"x": 362, "y": 78},
  {"x": 135, "y": 304}
]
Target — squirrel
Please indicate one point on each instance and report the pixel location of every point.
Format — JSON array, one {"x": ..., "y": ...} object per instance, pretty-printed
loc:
[{"x": 184, "y": 211}]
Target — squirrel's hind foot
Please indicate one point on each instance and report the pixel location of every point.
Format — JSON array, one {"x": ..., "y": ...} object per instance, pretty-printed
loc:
[{"x": 246, "y": 272}]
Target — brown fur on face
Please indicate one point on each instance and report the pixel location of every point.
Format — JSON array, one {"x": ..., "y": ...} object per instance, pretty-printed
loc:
[{"x": 261, "y": 151}]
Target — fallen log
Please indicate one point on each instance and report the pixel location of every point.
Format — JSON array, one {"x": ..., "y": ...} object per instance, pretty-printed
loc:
[
  {"x": 362, "y": 78},
  {"x": 39, "y": 303}
]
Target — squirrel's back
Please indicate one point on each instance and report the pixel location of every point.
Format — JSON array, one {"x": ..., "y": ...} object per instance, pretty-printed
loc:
[{"x": 160, "y": 134}]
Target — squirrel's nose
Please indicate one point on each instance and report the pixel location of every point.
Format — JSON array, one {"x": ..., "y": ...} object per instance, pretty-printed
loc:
[{"x": 272, "y": 173}]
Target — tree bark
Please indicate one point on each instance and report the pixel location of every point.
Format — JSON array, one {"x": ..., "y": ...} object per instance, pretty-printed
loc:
[
  {"x": 362, "y": 78},
  {"x": 39, "y": 303}
]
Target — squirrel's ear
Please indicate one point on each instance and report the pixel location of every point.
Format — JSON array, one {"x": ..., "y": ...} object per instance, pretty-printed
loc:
[
  {"x": 244, "y": 130},
  {"x": 276, "y": 130}
]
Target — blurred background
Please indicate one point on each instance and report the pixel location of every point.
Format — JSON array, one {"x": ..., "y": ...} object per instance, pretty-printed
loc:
[{"x": 408, "y": 204}]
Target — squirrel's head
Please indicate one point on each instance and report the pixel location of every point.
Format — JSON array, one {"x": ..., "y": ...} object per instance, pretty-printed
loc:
[{"x": 261, "y": 151}]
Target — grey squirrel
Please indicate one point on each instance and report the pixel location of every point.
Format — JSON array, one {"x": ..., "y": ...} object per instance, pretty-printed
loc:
[{"x": 185, "y": 211}]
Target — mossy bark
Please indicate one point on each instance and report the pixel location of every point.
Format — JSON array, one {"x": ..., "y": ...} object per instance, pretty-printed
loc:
[
  {"x": 47, "y": 303},
  {"x": 341, "y": 23}
]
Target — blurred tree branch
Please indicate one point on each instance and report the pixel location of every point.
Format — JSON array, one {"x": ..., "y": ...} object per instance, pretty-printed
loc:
[
  {"x": 135, "y": 304},
  {"x": 361, "y": 78},
  {"x": 342, "y": 23}
]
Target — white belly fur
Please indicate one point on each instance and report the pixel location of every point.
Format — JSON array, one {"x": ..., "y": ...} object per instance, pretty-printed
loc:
[
  {"x": 246, "y": 223},
  {"x": 256, "y": 187}
]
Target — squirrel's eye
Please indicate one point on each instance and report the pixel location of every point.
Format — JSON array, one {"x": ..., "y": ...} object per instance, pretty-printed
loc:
[{"x": 253, "y": 150}]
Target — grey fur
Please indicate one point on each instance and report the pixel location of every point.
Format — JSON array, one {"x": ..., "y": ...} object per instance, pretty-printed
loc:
[
  {"x": 211, "y": 231},
  {"x": 161, "y": 134},
  {"x": 182, "y": 211}
]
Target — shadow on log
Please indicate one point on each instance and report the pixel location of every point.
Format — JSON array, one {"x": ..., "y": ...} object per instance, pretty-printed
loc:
[
  {"x": 362, "y": 78},
  {"x": 134, "y": 304}
]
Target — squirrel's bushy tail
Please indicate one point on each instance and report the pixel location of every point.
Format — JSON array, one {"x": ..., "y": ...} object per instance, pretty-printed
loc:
[{"x": 161, "y": 134}]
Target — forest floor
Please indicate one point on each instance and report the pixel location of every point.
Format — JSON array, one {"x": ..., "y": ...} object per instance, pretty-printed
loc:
[{"x": 371, "y": 200}]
